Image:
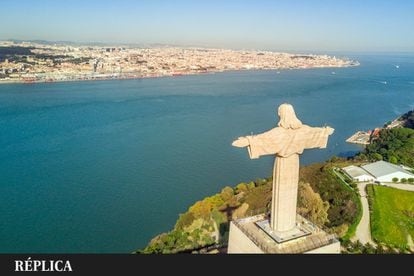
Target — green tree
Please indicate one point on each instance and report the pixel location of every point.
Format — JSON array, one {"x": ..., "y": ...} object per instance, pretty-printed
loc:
[
  {"x": 410, "y": 180},
  {"x": 393, "y": 160},
  {"x": 311, "y": 205},
  {"x": 395, "y": 179},
  {"x": 378, "y": 157},
  {"x": 403, "y": 180}
]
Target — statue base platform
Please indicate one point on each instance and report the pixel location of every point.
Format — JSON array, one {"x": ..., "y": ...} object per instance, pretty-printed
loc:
[
  {"x": 280, "y": 237},
  {"x": 254, "y": 235}
]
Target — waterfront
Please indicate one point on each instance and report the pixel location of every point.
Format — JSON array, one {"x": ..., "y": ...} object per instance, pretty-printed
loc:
[
  {"x": 29, "y": 62},
  {"x": 103, "y": 166}
]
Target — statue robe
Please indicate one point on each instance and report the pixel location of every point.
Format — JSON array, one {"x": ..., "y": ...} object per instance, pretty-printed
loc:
[{"x": 286, "y": 144}]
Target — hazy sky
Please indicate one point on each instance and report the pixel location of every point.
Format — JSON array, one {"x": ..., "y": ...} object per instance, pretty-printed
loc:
[{"x": 347, "y": 25}]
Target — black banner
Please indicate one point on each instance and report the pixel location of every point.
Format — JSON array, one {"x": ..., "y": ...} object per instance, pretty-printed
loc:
[{"x": 90, "y": 264}]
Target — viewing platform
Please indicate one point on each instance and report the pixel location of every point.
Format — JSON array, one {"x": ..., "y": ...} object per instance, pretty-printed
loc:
[{"x": 247, "y": 236}]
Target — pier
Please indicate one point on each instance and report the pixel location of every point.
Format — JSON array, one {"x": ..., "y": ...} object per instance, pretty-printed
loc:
[{"x": 360, "y": 137}]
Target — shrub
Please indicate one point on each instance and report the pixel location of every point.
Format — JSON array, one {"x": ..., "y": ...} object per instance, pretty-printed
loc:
[
  {"x": 410, "y": 180},
  {"x": 377, "y": 156},
  {"x": 403, "y": 180},
  {"x": 395, "y": 179},
  {"x": 184, "y": 220},
  {"x": 242, "y": 187},
  {"x": 202, "y": 209},
  {"x": 340, "y": 230},
  {"x": 261, "y": 181},
  {"x": 251, "y": 185},
  {"x": 227, "y": 193},
  {"x": 334, "y": 159},
  {"x": 393, "y": 160},
  {"x": 361, "y": 157}
]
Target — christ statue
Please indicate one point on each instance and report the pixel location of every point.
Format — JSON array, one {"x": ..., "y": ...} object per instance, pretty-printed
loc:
[{"x": 286, "y": 142}]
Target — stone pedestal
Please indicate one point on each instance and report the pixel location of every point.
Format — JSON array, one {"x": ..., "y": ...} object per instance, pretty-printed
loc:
[{"x": 254, "y": 235}]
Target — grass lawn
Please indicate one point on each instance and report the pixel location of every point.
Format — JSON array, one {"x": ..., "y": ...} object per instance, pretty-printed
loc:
[{"x": 392, "y": 215}]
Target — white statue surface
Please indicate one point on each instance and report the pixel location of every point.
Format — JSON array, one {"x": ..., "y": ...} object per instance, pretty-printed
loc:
[{"x": 286, "y": 142}]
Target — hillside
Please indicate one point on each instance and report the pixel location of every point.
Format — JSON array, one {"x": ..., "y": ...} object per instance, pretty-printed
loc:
[{"x": 322, "y": 198}]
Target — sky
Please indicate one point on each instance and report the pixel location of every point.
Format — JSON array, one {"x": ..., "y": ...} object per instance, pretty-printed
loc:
[{"x": 313, "y": 25}]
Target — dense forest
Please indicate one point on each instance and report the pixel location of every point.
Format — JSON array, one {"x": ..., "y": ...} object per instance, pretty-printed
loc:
[{"x": 394, "y": 145}]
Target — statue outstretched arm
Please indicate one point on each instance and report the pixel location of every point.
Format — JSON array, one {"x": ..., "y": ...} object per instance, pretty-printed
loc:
[
  {"x": 241, "y": 142},
  {"x": 269, "y": 142}
]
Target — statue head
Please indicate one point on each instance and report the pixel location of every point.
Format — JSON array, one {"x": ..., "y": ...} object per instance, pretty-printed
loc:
[{"x": 288, "y": 119}]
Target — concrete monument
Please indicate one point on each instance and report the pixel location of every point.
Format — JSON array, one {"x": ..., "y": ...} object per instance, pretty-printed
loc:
[{"x": 286, "y": 142}]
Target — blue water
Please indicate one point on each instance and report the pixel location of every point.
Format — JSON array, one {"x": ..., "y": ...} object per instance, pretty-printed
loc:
[{"x": 104, "y": 166}]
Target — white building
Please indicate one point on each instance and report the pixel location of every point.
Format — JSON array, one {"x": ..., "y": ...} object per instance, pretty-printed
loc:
[
  {"x": 380, "y": 171},
  {"x": 385, "y": 172},
  {"x": 358, "y": 174}
]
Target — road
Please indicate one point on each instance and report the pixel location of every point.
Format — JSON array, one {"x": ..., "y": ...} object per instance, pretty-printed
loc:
[{"x": 363, "y": 230}]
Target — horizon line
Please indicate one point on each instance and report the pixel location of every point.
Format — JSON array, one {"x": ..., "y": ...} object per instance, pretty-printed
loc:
[{"x": 152, "y": 44}]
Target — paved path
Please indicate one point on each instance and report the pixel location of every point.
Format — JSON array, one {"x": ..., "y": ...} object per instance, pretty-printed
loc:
[
  {"x": 363, "y": 231},
  {"x": 407, "y": 187}
]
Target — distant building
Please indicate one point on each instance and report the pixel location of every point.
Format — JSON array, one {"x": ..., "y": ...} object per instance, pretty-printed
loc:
[
  {"x": 376, "y": 132},
  {"x": 385, "y": 172},
  {"x": 379, "y": 171},
  {"x": 358, "y": 174}
]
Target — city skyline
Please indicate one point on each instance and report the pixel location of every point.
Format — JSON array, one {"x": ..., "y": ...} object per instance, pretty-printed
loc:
[{"x": 280, "y": 25}]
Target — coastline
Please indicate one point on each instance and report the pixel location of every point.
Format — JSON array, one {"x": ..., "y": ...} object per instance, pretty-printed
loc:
[
  {"x": 41, "y": 63},
  {"x": 134, "y": 76},
  {"x": 366, "y": 137}
]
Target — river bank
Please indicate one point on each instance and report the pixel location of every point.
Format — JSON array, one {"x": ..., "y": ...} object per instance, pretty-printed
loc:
[{"x": 126, "y": 76}]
